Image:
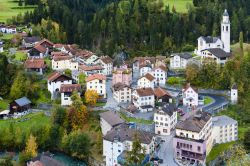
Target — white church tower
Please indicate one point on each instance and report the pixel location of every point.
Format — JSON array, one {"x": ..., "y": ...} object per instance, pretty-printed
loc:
[{"x": 225, "y": 31}]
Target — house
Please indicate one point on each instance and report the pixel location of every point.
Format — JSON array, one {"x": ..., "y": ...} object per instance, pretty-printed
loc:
[
  {"x": 122, "y": 92},
  {"x": 120, "y": 139},
  {"x": 145, "y": 68},
  {"x": 165, "y": 119},
  {"x": 109, "y": 120},
  {"x": 143, "y": 99},
  {"x": 179, "y": 60},
  {"x": 91, "y": 69},
  {"x": 193, "y": 138},
  {"x": 35, "y": 65},
  {"x": 29, "y": 42},
  {"x": 146, "y": 81},
  {"x": 55, "y": 80},
  {"x": 66, "y": 92},
  {"x": 216, "y": 54},
  {"x": 60, "y": 62},
  {"x": 8, "y": 28},
  {"x": 160, "y": 74},
  {"x": 20, "y": 106},
  {"x": 139, "y": 62},
  {"x": 97, "y": 82},
  {"x": 234, "y": 94},
  {"x": 107, "y": 63},
  {"x": 123, "y": 75},
  {"x": 190, "y": 96},
  {"x": 222, "y": 43},
  {"x": 162, "y": 95},
  {"x": 46, "y": 44},
  {"x": 38, "y": 51},
  {"x": 85, "y": 57},
  {"x": 225, "y": 129}
]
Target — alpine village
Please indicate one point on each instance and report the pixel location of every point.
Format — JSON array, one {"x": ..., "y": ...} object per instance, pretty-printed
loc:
[{"x": 125, "y": 83}]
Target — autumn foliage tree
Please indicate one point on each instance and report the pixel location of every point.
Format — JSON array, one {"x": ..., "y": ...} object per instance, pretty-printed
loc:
[
  {"x": 91, "y": 97},
  {"x": 31, "y": 146}
]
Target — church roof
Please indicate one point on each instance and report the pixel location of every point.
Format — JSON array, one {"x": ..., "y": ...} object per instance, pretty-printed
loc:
[
  {"x": 225, "y": 13},
  {"x": 219, "y": 53},
  {"x": 210, "y": 39}
]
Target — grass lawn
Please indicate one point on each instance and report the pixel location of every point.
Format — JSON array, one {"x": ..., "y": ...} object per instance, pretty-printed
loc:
[
  {"x": 217, "y": 150},
  {"x": 100, "y": 104},
  {"x": 20, "y": 56},
  {"x": 4, "y": 104},
  {"x": 135, "y": 120},
  {"x": 207, "y": 100},
  {"x": 236, "y": 48},
  {"x": 10, "y": 8},
  {"x": 6, "y": 36},
  {"x": 180, "y": 5},
  {"x": 179, "y": 81},
  {"x": 35, "y": 119}
]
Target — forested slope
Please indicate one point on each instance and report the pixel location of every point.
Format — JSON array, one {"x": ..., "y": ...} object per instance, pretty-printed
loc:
[{"x": 142, "y": 26}]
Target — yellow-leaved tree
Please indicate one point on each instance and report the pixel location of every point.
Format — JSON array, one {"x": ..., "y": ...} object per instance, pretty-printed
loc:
[
  {"x": 31, "y": 146},
  {"x": 91, "y": 97}
]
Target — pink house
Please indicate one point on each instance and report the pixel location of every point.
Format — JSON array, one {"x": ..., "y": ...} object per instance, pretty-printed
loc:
[{"x": 123, "y": 75}]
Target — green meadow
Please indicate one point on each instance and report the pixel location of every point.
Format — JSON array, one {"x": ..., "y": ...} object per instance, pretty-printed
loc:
[
  {"x": 9, "y": 8},
  {"x": 180, "y": 5}
]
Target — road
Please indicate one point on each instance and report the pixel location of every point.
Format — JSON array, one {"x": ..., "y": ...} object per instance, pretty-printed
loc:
[{"x": 111, "y": 103}]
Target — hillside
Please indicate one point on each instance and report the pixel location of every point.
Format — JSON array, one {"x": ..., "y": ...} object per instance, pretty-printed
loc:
[
  {"x": 8, "y": 9},
  {"x": 180, "y": 5}
]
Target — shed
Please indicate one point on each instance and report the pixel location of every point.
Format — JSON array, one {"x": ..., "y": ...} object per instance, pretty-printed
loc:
[{"x": 20, "y": 105}]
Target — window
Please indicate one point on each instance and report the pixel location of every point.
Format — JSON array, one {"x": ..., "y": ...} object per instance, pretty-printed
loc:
[
  {"x": 165, "y": 130},
  {"x": 199, "y": 148}
]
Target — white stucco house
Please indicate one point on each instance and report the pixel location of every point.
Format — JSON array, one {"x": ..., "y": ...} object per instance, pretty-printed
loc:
[
  {"x": 179, "y": 60},
  {"x": 63, "y": 63},
  {"x": 122, "y": 93},
  {"x": 97, "y": 82},
  {"x": 190, "y": 96},
  {"x": 55, "y": 80},
  {"x": 218, "y": 43},
  {"x": 145, "y": 68},
  {"x": 216, "y": 54},
  {"x": 120, "y": 139},
  {"x": 165, "y": 119},
  {"x": 143, "y": 99},
  {"x": 146, "y": 81},
  {"x": 224, "y": 129},
  {"x": 107, "y": 63},
  {"x": 160, "y": 74},
  {"x": 67, "y": 91},
  {"x": 109, "y": 120}
]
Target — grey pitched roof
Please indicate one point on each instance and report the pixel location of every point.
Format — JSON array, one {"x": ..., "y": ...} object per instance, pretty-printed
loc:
[
  {"x": 219, "y": 53},
  {"x": 234, "y": 86},
  {"x": 112, "y": 118},
  {"x": 223, "y": 120},
  {"x": 23, "y": 101},
  {"x": 225, "y": 13},
  {"x": 32, "y": 39},
  {"x": 123, "y": 133},
  {"x": 183, "y": 55},
  {"x": 210, "y": 39},
  {"x": 195, "y": 122},
  {"x": 168, "y": 108}
]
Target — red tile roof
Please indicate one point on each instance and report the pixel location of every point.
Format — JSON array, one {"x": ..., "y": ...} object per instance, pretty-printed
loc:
[
  {"x": 61, "y": 58},
  {"x": 149, "y": 77},
  {"x": 159, "y": 92},
  {"x": 106, "y": 59},
  {"x": 34, "y": 64},
  {"x": 145, "y": 92},
  {"x": 96, "y": 76},
  {"x": 47, "y": 41},
  {"x": 90, "y": 68},
  {"x": 40, "y": 48},
  {"x": 70, "y": 88},
  {"x": 56, "y": 75}
]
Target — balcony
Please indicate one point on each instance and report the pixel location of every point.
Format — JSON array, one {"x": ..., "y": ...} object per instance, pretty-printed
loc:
[{"x": 192, "y": 155}]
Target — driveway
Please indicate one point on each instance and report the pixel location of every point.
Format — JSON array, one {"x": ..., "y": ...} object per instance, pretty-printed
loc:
[
  {"x": 111, "y": 103},
  {"x": 166, "y": 151}
]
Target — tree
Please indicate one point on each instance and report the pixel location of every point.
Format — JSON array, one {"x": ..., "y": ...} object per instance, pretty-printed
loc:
[
  {"x": 67, "y": 72},
  {"x": 241, "y": 41},
  {"x": 82, "y": 79},
  {"x": 246, "y": 140},
  {"x": 192, "y": 71},
  {"x": 19, "y": 87},
  {"x": 91, "y": 97},
  {"x": 31, "y": 147},
  {"x": 59, "y": 116},
  {"x": 137, "y": 154},
  {"x": 6, "y": 161},
  {"x": 78, "y": 144}
]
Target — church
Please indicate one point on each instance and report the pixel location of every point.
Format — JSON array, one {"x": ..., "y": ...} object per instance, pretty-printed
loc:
[{"x": 217, "y": 48}]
